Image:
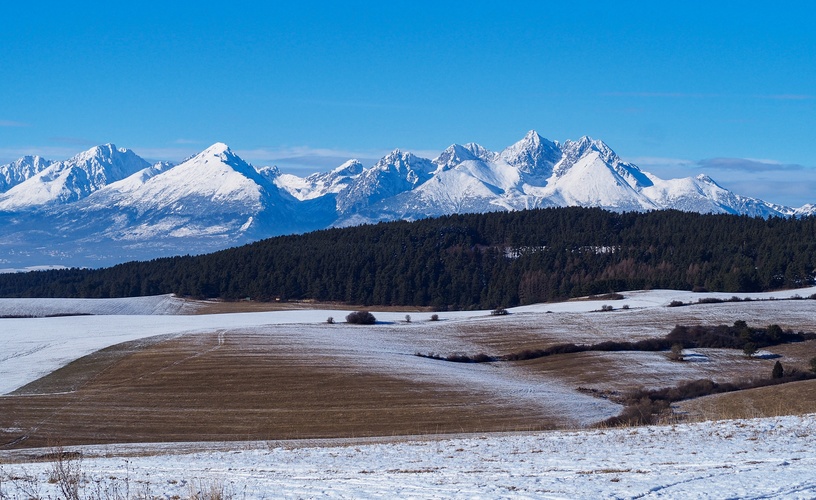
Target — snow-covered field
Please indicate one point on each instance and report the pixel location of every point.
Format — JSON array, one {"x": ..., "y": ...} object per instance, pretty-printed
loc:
[
  {"x": 760, "y": 458},
  {"x": 34, "y": 347}
]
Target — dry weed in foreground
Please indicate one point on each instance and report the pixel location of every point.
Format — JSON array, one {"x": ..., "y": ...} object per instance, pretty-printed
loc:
[{"x": 66, "y": 472}]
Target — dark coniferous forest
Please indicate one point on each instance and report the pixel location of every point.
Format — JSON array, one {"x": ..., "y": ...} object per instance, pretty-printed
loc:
[{"x": 471, "y": 261}]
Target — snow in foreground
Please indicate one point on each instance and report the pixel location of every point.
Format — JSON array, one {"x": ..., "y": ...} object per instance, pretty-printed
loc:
[{"x": 761, "y": 458}]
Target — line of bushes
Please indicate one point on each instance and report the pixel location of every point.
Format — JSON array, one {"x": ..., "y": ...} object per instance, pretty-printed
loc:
[
  {"x": 644, "y": 407},
  {"x": 734, "y": 298},
  {"x": 460, "y": 358},
  {"x": 721, "y": 336}
]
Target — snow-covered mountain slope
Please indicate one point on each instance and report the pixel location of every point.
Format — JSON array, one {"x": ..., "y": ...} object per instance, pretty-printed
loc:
[
  {"x": 20, "y": 171},
  {"x": 73, "y": 179},
  {"x": 212, "y": 193},
  {"x": 109, "y": 204},
  {"x": 593, "y": 181},
  {"x": 533, "y": 156},
  {"x": 537, "y": 173},
  {"x": 395, "y": 173},
  {"x": 320, "y": 184}
]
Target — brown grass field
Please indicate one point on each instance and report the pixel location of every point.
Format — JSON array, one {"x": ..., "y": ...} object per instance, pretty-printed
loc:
[
  {"x": 338, "y": 381},
  {"x": 236, "y": 387}
]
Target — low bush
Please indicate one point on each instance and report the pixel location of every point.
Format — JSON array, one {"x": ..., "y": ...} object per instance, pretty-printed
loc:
[
  {"x": 676, "y": 303},
  {"x": 499, "y": 311},
  {"x": 361, "y": 318}
]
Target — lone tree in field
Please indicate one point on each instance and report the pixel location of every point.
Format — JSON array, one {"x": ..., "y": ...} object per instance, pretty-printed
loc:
[
  {"x": 813, "y": 365},
  {"x": 361, "y": 318},
  {"x": 749, "y": 349},
  {"x": 778, "y": 371}
]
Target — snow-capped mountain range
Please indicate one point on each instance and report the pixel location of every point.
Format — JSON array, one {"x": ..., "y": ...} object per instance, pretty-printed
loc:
[{"x": 108, "y": 205}]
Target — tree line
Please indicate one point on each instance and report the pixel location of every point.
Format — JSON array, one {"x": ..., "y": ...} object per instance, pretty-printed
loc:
[{"x": 466, "y": 261}]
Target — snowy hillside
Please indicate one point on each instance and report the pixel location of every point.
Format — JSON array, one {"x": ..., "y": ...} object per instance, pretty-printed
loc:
[
  {"x": 107, "y": 205},
  {"x": 756, "y": 458}
]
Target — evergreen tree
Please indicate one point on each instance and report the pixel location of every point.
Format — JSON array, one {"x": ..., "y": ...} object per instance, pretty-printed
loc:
[{"x": 777, "y": 371}]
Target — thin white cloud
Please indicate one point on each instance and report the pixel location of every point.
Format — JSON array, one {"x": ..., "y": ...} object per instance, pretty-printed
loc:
[
  {"x": 12, "y": 123},
  {"x": 789, "y": 97},
  {"x": 702, "y": 95},
  {"x": 673, "y": 95},
  {"x": 770, "y": 180},
  {"x": 49, "y": 152},
  {"x": 747, "y": 165}
]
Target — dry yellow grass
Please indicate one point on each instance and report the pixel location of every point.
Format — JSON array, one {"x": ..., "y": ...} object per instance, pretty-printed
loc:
[{"x": 788, "y": 399}]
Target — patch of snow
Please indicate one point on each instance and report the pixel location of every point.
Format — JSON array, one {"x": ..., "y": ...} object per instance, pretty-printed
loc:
[{"x": 758, "y": 458}]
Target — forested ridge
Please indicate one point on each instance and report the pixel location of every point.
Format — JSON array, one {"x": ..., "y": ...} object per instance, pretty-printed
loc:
[{"x": 471, "y": 261}]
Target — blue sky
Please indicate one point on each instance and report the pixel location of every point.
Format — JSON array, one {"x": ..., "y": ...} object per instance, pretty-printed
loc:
[{"x": 683, "y": 88}]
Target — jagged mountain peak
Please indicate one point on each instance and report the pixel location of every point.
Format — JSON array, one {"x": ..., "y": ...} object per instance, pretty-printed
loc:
[
  {"x": 576, "y": 149},
  {"x": 73, "y": 179},
  {"x": 455, "y": 154},
  {"x": 533, "y": 154},
  {"x": 21, "y": 170},
  {"x": 215, "y": 196},
  {"x": 350, "y": 167},
  {"x": 404, "y": 163},
  {"x": 218, "y": 150}
]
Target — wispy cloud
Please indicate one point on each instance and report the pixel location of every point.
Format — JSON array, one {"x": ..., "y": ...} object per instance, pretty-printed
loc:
[
  {"x": 49, "y": 152},
  {"x": 769, "y": 180},
  {"x": 186, "y": 141},
  {"x": 75, "y": 141},
  {"x": 703, "y": 95},
  {"x": 12, "y": 123},
  {"x": 789, "y": 97},
  {"x": 675, "y": 95},
  {"x": 747, "y": 165}
]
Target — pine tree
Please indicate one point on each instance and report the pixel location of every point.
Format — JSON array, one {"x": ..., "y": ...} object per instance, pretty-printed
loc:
[{"x": 778, "y": 371}]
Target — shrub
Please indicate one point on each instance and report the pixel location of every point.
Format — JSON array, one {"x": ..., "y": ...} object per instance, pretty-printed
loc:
[
  {"x": 361, "y": 318},
  {"x": 606, "y": 308},
  {"x": 778, "y": 371},
  {"x": 330, "y": 320},
  {"x": 676, "y": 353},
  {"x": 676, "y": 303},
  {"x": 499, "y": 311},
  {"x": 813, "y": 365},
  {"x": 407, "y": 318},
  {"x": 434, "y": 317}
]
